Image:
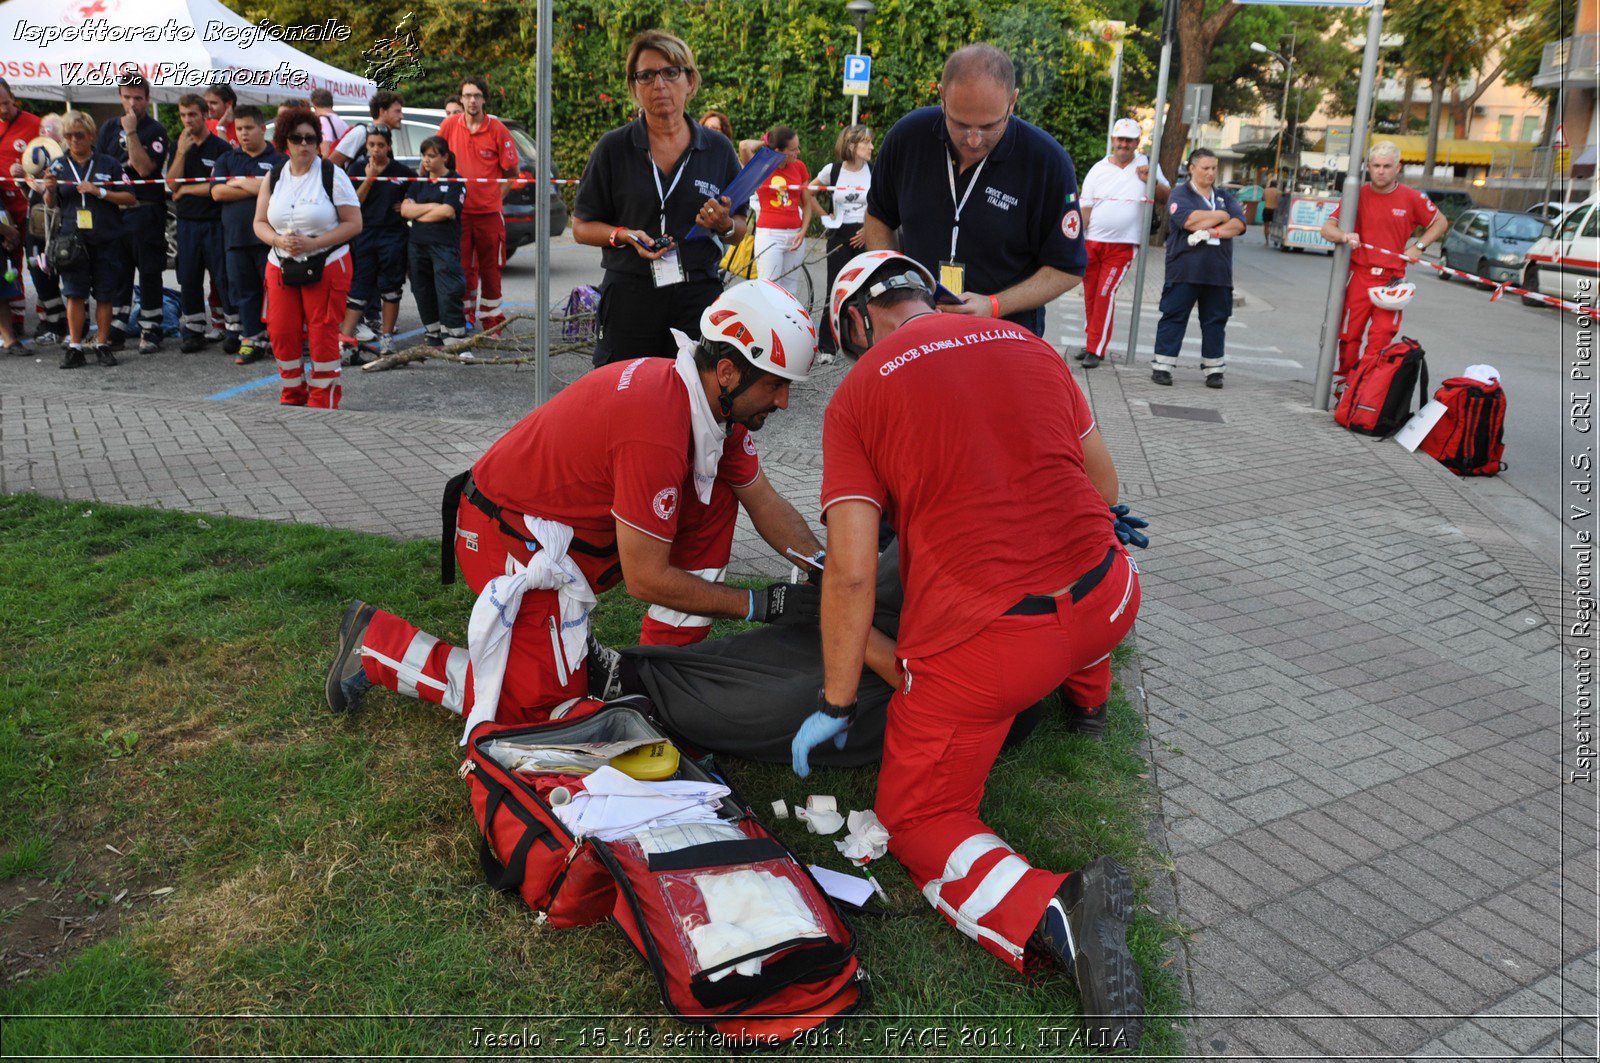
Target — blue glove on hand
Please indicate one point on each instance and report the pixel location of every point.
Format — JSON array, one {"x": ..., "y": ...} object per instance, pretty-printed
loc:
[
  {"x": 1126, "y": 527},
  {"x": 817, "y": 729}
]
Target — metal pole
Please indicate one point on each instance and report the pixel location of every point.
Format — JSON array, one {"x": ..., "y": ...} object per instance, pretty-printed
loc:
[
  {"x": 855, "y": 101},
  {"x": 541, "y": 214},
  {"x": 1116, "y": 90},
  {"x": 1550, "y": 141},
  {"x": 1283, "y": 116},
  {"x": 1322, "y": 388},
  {"x": 1169, "y": 28}
]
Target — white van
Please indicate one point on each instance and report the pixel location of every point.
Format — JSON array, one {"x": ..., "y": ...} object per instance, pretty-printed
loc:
[{"x": 1557, "y": 263}]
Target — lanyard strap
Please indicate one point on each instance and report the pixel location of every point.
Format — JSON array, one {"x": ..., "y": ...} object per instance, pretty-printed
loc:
[
  {"x": 950, "y": 169},
  {"x": 78, "y": 178},
  {"x": 655, "y": 172}
]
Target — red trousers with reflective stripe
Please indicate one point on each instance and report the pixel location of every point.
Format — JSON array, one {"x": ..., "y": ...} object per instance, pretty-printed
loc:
[
  {"x": 483, "y": 256},
  {"x": 310, "y": 313},
  {"x": 1108, "y": 264},
  {"x": 1358, "y": 313},
  {"x": 946, "y": 724},
  {"x": 401, "y": 657}
]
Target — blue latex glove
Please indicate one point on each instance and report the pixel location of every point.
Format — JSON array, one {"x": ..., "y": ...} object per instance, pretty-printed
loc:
[
  {"x": 1126, "y": 526},
  {"x": 817, "y": 729}
]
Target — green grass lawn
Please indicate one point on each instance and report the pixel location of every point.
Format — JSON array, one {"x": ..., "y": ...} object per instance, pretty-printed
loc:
[{"x": 259, "y": 876}]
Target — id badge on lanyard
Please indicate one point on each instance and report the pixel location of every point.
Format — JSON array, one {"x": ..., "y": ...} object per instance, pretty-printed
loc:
[
  {"x": 668, "y": 269},
  {"x": 952, "y": 274},
  {"x": 85, "y": 215},
  {"x": 1212, "y": 205}
]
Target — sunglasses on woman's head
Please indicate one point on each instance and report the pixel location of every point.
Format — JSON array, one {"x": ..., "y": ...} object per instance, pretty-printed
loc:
[{"x": 303, "y": 138}]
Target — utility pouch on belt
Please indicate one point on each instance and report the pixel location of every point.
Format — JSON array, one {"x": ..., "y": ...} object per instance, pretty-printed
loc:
[
  {"x": 739, "y": 936},
  {"x": 447, "y": 526}
]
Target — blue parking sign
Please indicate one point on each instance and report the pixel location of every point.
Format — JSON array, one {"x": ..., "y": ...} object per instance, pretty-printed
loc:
[{"x": 857, "y": 73}]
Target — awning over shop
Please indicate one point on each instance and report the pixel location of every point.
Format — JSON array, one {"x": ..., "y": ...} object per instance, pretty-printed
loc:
[
  {"x": 1452, "y": 152},
  {"x": 1583, "y": 165}
]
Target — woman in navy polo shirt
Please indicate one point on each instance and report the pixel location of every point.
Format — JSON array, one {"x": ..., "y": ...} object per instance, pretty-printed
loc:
[
  {"x": 80, "y": 184},
  {"x": 658, "y": 176},
  {"x": 433, "y": 207}
]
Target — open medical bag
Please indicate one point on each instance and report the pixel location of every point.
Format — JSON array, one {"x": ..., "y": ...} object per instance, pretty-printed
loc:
[{"x": 738, "y": 934}]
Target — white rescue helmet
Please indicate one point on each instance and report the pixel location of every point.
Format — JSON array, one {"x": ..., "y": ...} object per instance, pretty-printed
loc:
[
  {"x": 1392, "y": 296},
  {"x": 767, "y": 325},
  {"x": 866, "y": 277}
]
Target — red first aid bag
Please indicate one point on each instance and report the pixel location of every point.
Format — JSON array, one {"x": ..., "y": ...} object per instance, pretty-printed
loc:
[
  {"x": 739, "y": 936},
  {"x": 1469, "y": 439},
  {"x": 1377, "y": 396}
]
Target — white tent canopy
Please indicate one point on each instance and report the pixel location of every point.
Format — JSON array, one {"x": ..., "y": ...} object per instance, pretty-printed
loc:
[{"x": 76, "y": 50}]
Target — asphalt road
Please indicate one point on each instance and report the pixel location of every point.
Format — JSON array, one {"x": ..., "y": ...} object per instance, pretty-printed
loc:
[{"x": 1273, "y": 335}]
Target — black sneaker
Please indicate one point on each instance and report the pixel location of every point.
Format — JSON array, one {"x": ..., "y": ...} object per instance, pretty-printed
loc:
[
  {"x": 192, "y": 342},
  {"x": 1090, "y": 721},
  {"x": 347, "y": 681},
  {"x": 433, "y": 339},
  {"x": 1214, "y": 380},
  {"x": 1085, "y": 929},
  {"x": 1162, "y": 377},
  {"x": 72, "y": 357},
  {"x": 231, "y": 343},
  {"x": 102, "y": 352},
  {"x": 1090, "y": 359},
  {"x": 119, "y": 341},
  {"x": 149, "y": 341},
  {"x": 605, "y": 671}
]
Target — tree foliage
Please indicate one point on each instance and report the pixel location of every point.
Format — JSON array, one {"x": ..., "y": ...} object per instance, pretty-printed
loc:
[{"x": 763, "y": 62}]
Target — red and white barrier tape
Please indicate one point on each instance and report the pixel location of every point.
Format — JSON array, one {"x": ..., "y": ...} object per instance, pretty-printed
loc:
[
  {"x": 1499, "y": 288},
  {"x": 515, "y": 182}
]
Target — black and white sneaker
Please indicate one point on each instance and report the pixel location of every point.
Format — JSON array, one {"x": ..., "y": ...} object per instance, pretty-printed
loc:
[
  {"x": 1081, "y": 355},
  {"x": 605, "y": 671},
  {"x": 1090, "y": 359},
  {"x": 347, "y": 680},
  {"x": 1085, "y": 929}
]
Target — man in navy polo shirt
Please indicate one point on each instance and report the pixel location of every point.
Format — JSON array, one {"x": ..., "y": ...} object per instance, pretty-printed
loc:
[
  {"x": 140, "y": 143},
  {"x": 1203, "y": 220},
  {"x": 984, "y": 200},
  {"x": 241, "y": 172},
  {"x": 201, "y": 246}
]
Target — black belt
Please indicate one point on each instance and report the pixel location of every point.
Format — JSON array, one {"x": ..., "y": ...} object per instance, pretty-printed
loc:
[
  {"x": 461, "y": 486},
  {"x": 1043, "y": 604}
]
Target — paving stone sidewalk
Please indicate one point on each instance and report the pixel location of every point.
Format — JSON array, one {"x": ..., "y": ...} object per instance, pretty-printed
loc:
[{"x": 1351, "y": 671}]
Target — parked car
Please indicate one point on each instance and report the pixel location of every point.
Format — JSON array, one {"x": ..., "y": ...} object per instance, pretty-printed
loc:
[
  {"x": 1450, "y": 201},
  {"x": 1553, "y": 211},
  {"x": 420, "y": 123},
  {"x": 1492, "y": 244},
  {"x": 1557, "y": 263}
]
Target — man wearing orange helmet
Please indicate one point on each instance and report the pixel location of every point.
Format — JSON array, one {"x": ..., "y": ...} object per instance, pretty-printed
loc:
[
  {"x": 633, "y": 473},
  {"x": 1388, "y": 213}
]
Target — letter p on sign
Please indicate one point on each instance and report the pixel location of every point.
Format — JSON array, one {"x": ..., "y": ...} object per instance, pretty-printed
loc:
[{"x": 857, "y": 74}]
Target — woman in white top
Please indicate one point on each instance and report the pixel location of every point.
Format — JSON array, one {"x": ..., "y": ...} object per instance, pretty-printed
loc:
[
  {"x": 851, "y": 175},
  {"x": 308, "y": 221}
]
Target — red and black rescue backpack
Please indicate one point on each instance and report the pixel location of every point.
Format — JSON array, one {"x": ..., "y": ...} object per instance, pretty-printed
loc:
[
  {"x": 658, "y": 895},
  {"x": 1469, "y": 438},
  {"x": 1377, "y": 397}
]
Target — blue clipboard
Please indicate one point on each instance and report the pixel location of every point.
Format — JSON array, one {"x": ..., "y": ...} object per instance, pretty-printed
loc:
[{"x": 741, "y": 188}]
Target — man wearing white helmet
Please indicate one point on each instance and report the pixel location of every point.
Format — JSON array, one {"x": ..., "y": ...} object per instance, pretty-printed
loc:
[
  {"x": 1112, "y": 202},
  {"x": 1388, "y": 213},
  {"x": 633, "y": 473},
  {"x": 1015, "y": 584}
]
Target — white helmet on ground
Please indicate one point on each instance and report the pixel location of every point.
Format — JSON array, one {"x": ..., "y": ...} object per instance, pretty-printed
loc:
[
  {"x": 767, "y": 325},
  {"x": 1392, "y": 296},
  {"x": 866, "y": 277}
]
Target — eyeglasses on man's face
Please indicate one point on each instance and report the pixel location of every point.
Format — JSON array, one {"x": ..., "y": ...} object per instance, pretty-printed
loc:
[
  {"x": 646, "y": 77},
  {"x": 985, "y": 131}
]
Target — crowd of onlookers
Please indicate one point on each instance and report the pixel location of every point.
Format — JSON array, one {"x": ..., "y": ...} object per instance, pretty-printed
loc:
[
  {"x": 271, "y": 263},
  {"x": 292, "y": 229}
]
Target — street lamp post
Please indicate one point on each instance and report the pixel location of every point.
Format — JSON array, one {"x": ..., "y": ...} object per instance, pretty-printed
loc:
[
  {"x": 1283, "y": 108},
  {"x": 860, "y": 10}
]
